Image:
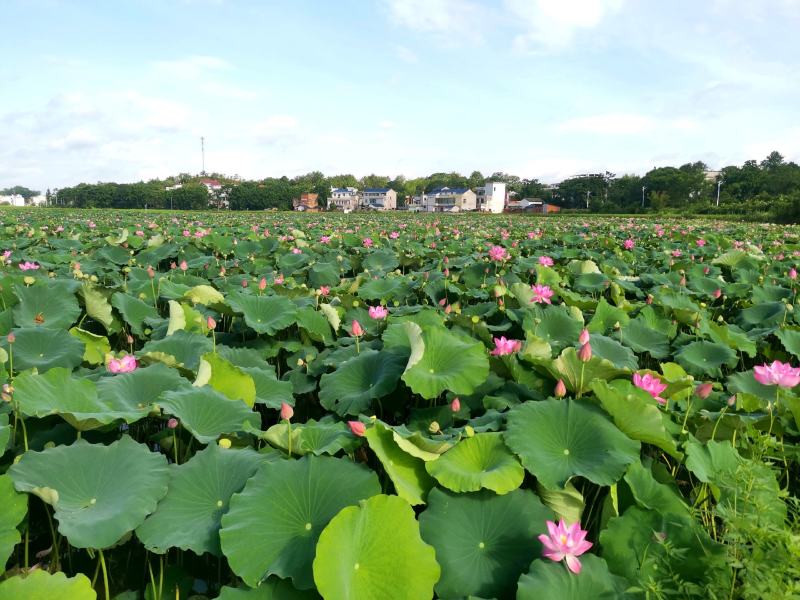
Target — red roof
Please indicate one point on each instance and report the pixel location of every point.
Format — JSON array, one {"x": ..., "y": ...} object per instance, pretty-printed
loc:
[{"x": 207, "y": 181}]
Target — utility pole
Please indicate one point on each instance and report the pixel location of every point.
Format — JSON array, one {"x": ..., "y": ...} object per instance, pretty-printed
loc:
[
  {"x": 203, "y": 154},
  {"x": 588, "y": 193},
  {"x": 719, "y": 185},
  {"x": 644, "y": 187}
]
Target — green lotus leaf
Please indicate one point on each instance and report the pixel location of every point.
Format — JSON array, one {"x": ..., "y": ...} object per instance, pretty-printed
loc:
[
  {"x": 94, "y": 506},
  {"x": 41, "y": 585},
  {"x": 651, "y": 494},
  {"x": 177, "y": 318},
  {"x": 374, "y": 551},
  {"x": 635, "y": 412},
  {"x": 556, "y": 327},
  {"x": 448, "y": 362},
  {"x": 204, "y": 294},
  {"x": 96, "y": 346},
  {"x": 387, "y": 288},
  {"x": 271, "y": 589},
  {"x": 569, "y": 368},
  {"x": 264, "y": 314},
  {"x": 790, "y": 338},
  {"x": 269, "y": 390},
  {"x": 606, "y": 317},
  {"x": 15, "y": 507},
  {"x": 557, "y": 440},
  {"x": 207, "y": 414},
  {"x": 139, "y": 389},
  {"x": 47, "y": 306},
  {"x": 482, "y": 461},
  {"x": 315, "y": 324},
  {"x": 5, "y": 433},
  {"x": 42, "y": 349},
  {"x": 703, "y": 358},
  {"x": 134, "y": 311},
  {"x": 326, "y": 437},
  {"x": 189, "y": 516},
  {"x": 184, "y": 348},
  {"x": 411, "y": 481},
  {"x": 330, "y": 313},
  {"x": 323, "y": 274},
  {"x": 567, "y": 503},
  {"x": 483, "y": 541},
  {"x": 642, "y": 338},
  {"x": 352, "y": 387},
  {"x": 769, "y": 314},
  {"x": 731, "y": 336},
  {"x": 419, "y": 446},
  {"x": 98, "y": 307},
  {"x": 692, "y": 554},
  {"x": 226, "y": 378},
  {"x": 611, "y": 350},
  {"x": 553, "y": 581},
  {"x": 273, "y": 525}
]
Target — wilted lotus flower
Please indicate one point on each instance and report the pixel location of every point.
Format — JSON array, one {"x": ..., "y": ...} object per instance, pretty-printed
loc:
[
  {"x": 503, "y": 347},
  {"x": 565, "y": 542},
  {"x": 126, "y": 364},
  {"x": 377, "y": 312},
  {"x": 778, "y": 373},
  {"x": 651, "y": 385}
]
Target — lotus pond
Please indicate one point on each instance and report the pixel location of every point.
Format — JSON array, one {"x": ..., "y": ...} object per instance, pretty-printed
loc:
[{"x": 280, "y": 406}]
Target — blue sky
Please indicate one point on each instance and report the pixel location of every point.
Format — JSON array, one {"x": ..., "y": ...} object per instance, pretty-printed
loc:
[{"x": 123, "y": 90}]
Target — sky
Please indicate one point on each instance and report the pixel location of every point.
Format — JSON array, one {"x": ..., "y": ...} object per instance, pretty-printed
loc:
[{"x": 122, "y": 91}]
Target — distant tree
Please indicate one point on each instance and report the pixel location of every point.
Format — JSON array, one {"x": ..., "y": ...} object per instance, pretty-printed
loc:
[
  {"x": 26, "y": 193},
  {"x": 476, "y": 180},
  {"x": 374, "y": 181}
]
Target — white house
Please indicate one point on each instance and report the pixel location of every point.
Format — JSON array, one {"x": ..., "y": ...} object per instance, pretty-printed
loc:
[
  {"x": 492, "y": 197},
  {"x": 212, "y": 185},
  {"x": 447, "y": 199},
  {"x": 13, "y": 200},
  {"x": 346, "y": 198},
  {"x": 379, "y": 198}
]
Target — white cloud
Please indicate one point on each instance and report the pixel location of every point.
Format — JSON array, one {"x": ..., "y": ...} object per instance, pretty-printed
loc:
[
  {"x": 435, "y": 16},
  {"x": 553, "y": 24},
  {"x": 78, "y": 138}
]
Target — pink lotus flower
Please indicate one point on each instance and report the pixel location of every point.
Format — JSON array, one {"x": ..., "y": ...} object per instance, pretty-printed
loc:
[
  {"x": 704, "y": 390},
  {"x": 778, "y": 373},
  {"x": 498, "y": 253},
  {"x": 677, "y": 253},
  {"x": 262, "y": 284},
  {"x": 356, "y": 329},
  {"x": 585, "y": 352},
  {"x": 287, "y": 412},
  {"x": 394, "y": 235},
  {"x": 541, "y": 294},
  {"x": 28, "y": 266},
  {"x": 545, "y": 261},
  {"x": 324, "y": 290},
  {"x": 296, "y": 251},
  {"x": 126, "y": 364},
  {"x": 377, "y": 312},
  {"x": 629, "y": 244},
  {"x": 502, "y": 346},
  {"x": 455, "y": 405},
  {"x": 184, "y": 266},
  {"x": 700, "y": 242},
  {"x": 792, "y": 273},
  {"x": 651, "y": 385},
  {"x": 172, "y": 423},
  {"x": 211, "y": 323},
  {"x": 367, "y": 242},
  {"x": 279, "y": 280},
  {"x": 565, "y": 542},
  {"x": 325, "y": 239},
  {"x": 584, "y": 337},
  {"x": 357, "y": 428},
  {"x": 561, "y": 390}
]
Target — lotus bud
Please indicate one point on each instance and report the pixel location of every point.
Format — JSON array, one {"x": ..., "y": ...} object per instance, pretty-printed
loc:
[
  {"x": 11, "y": 338},
  {"x": 585, "y": 353},
  {"x": 172, "y": 423},
  {"x": 434, "y": 427},
  {"x": 583, "y": 338},
  {"x": 703, "y": 390},
  {"x": 357, "y": 428},
  {"x": 262, "y": 284},
  {"x": 732, "y": 401},
  {"x": 455, "y": 405},
  {"x": 244, "y": 283},
  {"x": 184, "y": 266},
  {"x": 287, "y": 412},
  {"x": 561, "y": 389},
  {"x": 300, "y": 362},
  {"x": 356, "y": 328},
  {"x": 211, "y": 323}
]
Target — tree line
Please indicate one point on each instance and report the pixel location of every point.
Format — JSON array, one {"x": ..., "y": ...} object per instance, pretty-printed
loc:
[{"x": 769, "y": 188}]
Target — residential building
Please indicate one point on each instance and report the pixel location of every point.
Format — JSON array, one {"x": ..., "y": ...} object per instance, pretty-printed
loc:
[
  {"x": 346, "y": 198},
  {"x": 533, "y": 205},
  {"x": 13, "y": 200},
  {"x": 448, "y": 199},
  {"x": 211, "y": 184},
  {"x": 712, "y": 175},
  {"x": 492, "y": 197},
  {"x": 379, "y": 199},
  {"x": 306, "y": 201}
]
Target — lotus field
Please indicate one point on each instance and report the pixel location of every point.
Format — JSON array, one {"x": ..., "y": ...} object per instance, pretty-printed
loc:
[{"x": 371, "y": 407}]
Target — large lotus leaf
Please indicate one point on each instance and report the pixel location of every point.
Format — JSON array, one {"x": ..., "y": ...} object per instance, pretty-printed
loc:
[
  {"x": 557, "y": 440},
  {"x": 606, "y": 317},
  {"x": 180, "y": 349},
  {"x": 204, "y": 294},
  {"x": 325, "y": 437},
  {"x": 768, "y": 314},
  {"x": 641, "y": 338},
  {"x": 386, "y": 288},
  {"x": 352, "y": 387},
  {"x": 651, "y": 494},
  {"x": 315, "y": 324},
  {"x": 630, "y": 544},
  {"x": 790, "y": 338},
  {"x": 411, "y": 481},
  {"x": 323, "y": 274},
  {"x": 264, "y": 314},
  {"x": 554, "y": 582},
  {"x": 207, "y": 414},
  {"x": 98, "y": 307},
  {"x": 374, "y": 551},
  {"x": 41, "y": 585},
  {"x": 271, "y": 589},
  {"x": 42, "y": 349},
  {"x": 75, "y": 400},
  {"x": 273, "y": 525},
  {"x": 15, "y": 506},
  {"x": 481, "y": 461},
  {"x": 381, "y": 260},
  {"x": 134, "y": 311},
  {"x": 483, "y": 542},
  {"x": 226, "y": 378},
  {"x": 703, "y": 358},
  {"x": 556, "y": 327},
  {"x": 189, "y": 516},
  {"x": 448, "y": 362},
  {"x": 569, "y": 368},
  {"x": 731, "y": 336},
  {"x": 635, "y": 412},
  {"x": 90, "y": 487},
  {"x": 269, "y": 390},
  {"x": 614, "y": 352},
  {"x": 50, "y": 306},
  {"x": 96, "y": 347},
  {"x": 139, "y": 389}
]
